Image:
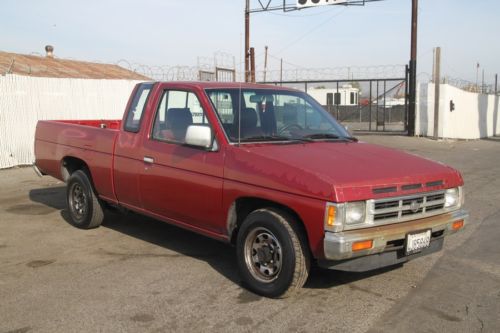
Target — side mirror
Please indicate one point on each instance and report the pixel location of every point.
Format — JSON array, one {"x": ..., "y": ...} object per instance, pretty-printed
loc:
[{"x": 199, "y": 136}]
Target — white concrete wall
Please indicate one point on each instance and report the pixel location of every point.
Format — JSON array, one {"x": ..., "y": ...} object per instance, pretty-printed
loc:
[
  {"x": 475, "y": 115},
  {"x": 25, "y": 100}
]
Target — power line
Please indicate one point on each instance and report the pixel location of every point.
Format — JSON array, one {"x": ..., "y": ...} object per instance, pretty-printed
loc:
[
  {"x": 301, "y": 15},
  {"x": 311, "y": 31}
]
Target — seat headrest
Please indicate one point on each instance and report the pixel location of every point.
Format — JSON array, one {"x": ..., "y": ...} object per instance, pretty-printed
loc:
[
  {"x": 248, "y": 118},
  {"x": 290, "y": 115},
  {"x": 178, "y": 120},
  {"x": 179, "y": 117}
]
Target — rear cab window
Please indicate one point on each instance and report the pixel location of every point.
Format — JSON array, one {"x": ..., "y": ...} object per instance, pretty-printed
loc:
[{"x": 136, "y": 110}]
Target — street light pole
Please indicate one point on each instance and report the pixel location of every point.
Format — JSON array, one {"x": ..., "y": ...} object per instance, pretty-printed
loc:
[{"x": 413, "y": 70}]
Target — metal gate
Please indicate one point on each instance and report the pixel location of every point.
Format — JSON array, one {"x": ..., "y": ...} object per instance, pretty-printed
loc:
[
  {"x": 368, "y": 105},
  {"x": 220, "y": 75}
]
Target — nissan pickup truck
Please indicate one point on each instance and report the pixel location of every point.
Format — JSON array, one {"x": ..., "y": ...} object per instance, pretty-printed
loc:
[{"x": 265, "y": 168}]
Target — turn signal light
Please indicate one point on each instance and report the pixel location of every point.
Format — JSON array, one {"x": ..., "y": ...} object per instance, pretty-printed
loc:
[
  {"x": 331, "y": 216},
  {"x": 457, "y": 225},
  {"x": 362, "y": 245}
]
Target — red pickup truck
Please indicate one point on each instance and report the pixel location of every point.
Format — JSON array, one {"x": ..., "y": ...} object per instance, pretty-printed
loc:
[{"x": 263, "y": 167}]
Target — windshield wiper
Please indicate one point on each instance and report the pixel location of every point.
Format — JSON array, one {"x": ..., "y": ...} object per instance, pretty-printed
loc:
[
  {"x": 320, "y": 136},
  {"x": 329, "y": 136},
  {"x": 265, "y": 138},
  {"x": 350, "y": 138}
]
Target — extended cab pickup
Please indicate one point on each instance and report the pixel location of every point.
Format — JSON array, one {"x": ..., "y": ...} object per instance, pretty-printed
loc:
[{"x": 263, "y": 167}]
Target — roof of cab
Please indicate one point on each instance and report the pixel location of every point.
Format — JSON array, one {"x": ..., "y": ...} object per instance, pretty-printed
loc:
[{"x": 227, "y": 85}]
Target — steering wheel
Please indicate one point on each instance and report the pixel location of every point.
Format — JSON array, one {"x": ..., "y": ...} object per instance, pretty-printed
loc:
[{"x": 289, "y": 127}]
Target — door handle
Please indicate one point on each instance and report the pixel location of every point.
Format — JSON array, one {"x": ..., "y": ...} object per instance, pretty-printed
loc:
[{"x": 149, "y": 160}]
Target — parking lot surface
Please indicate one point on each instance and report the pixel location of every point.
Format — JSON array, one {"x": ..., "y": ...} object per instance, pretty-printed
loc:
[{"x": 137, "y": 274}]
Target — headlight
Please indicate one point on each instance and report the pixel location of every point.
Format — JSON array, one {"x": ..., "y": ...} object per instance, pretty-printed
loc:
[
  {"x": 349, "y": 213},
  {"x": 451, "y": 198},
  {"x": 355, "y": 212}
]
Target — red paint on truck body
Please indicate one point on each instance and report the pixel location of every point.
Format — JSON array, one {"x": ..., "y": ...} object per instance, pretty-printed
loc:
[{"x": 195, "y": 189}]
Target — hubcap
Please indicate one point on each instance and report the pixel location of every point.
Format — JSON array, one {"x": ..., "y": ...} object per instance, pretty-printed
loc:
[
  {"x": 263, "y": 255},
  {"x": 78, "y": 201}
]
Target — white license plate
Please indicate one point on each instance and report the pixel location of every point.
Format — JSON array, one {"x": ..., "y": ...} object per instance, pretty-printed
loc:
[{"x": 418, "y": 241}]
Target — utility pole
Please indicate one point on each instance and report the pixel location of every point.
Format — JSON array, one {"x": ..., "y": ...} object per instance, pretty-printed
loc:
[
  {"x": 477, "y": 77},
  {"x": 265, "y": 65},
  {"x": 252, "y": 65},
  {"x": 482, "y": 84},
  {"x": 496, "y": 84},
  {"x": 437, "y": 86},
  {"x": 413, "y": 69},
  {"x": 247, "y": 41}
]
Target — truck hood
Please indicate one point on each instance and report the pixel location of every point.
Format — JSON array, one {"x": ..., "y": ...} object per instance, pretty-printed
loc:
[{"x": 337, "y": 171}]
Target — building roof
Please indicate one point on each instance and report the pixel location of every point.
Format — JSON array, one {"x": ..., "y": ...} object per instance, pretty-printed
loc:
[{"x": 31, "y": 65}]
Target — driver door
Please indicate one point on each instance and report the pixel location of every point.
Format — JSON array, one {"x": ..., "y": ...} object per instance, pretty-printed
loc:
[{"x": 179, "y": 182}]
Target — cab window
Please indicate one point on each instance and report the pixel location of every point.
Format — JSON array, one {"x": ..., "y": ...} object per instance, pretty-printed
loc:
[
  {"x": 136, "y": 110},
  {"x": 177, "y": 110}
]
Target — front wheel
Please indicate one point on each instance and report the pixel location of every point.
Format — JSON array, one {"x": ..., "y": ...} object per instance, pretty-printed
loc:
[
  {"x": 272, "y": 255},
  {"x": 85, "y": 209}
]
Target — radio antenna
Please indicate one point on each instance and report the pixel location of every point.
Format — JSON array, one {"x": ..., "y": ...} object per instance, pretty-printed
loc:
[{"x": 239, "y": 115}]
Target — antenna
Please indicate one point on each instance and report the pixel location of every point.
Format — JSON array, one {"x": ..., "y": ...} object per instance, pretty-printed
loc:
[{"x": 239, "y": 115}]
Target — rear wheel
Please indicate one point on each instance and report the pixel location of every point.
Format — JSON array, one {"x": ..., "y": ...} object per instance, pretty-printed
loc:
[
  {"x": 272, "y": 255},
  {"x": 85, "y": 209}
]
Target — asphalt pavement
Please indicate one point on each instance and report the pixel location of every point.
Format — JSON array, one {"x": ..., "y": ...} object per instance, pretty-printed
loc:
[{"x": 135, "y": 274}]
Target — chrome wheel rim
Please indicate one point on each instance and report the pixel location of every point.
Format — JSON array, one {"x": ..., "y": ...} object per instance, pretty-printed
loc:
[
  {"x": 78, "y": 201},
  {"x": 263, "y": 255}
]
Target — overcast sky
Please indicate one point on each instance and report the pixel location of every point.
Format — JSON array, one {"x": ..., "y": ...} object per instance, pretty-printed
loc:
[{"x": 176, "y": 32}]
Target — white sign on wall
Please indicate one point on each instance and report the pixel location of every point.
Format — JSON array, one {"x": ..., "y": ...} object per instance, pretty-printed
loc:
[{"x": 312, "y": 3}]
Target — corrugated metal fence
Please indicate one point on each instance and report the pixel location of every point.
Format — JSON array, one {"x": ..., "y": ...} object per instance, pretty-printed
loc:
[{"x": 25, "y": 100}]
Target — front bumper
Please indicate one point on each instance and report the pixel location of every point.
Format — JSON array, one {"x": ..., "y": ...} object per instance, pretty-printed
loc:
[{"x": 338, "y": 245}]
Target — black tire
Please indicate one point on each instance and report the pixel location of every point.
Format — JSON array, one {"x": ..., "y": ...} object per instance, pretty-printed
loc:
[
  {"x": 85, "y": 209},
  {"x": 273, "y": 258}
]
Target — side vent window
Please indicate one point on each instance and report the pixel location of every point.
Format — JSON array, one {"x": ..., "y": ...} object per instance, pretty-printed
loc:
[{"x": 136, "y": 111}]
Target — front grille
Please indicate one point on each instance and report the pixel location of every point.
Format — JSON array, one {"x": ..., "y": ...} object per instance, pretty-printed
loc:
[
  {"x": 402, "y": 208},
  {"x": 407, "y": 187}
]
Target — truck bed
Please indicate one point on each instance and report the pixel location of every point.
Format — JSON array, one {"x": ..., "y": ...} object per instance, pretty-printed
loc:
[
  {"x": 90, "y": 140},
  {"x": 108, "y": 124}
]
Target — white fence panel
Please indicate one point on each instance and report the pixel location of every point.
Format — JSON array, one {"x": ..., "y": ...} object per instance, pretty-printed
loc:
[
  {"x": 25, "y": 100},
  {"x": 474, "y": 116}
]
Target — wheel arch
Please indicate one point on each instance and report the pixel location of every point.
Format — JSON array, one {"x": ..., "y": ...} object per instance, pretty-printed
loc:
[
  {"x": 243, "y": 206},
  {"x": 70, "y": 164}
]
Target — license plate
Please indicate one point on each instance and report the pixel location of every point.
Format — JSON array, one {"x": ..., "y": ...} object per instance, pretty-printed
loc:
[{"x": 416, "y": 242}]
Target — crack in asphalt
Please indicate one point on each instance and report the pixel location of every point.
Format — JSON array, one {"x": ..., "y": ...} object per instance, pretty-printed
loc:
[{"x": 480, "y": 322}]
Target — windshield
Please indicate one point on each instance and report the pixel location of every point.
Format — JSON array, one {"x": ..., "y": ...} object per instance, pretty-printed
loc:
[{"x": 259, "y": 115}]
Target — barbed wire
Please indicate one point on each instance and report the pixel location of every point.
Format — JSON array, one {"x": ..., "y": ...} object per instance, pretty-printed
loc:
[
  {"x": 207, "y": 66},
  {"x": 469, "y": 85},
  {"x": 335, "y": 73},
  {"x": 190, "y": 73}
]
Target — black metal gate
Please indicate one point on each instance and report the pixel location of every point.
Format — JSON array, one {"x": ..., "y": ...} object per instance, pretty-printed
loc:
[{"x": 367, "y": 105}]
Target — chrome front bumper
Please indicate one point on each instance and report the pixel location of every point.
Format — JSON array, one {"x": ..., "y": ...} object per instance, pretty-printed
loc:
[{"x": 338, "y": 245}]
